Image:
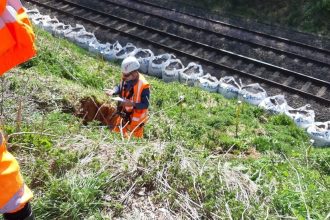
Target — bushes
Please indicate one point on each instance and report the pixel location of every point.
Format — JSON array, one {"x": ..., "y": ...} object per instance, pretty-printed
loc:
[{"x": 310, "y": 16}]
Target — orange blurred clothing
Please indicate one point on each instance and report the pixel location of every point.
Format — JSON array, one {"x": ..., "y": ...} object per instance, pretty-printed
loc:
[
  {"x": 137, "y": 117},
  {"x": 16, "y": 35},
  {"x": 14, "y": 194},
  {"x": 128, "y": 128},
  {"x": 16, "y": 47}
]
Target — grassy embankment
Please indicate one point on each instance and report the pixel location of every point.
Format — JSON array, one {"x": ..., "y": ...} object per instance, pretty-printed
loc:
[
  {"x": 190, "y": 163},
  {"x": 308, "y": 16}
]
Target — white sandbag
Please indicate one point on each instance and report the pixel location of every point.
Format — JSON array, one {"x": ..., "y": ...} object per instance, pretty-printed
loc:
[
  {"x": 252, "y": 94},
  {"x": 96, "y": 47},
  {"x": 275, "y": 104},
  {"x": 302, "y": 116},
  {"x": 228, "y": 87},
  {"x": 93, "y": 46},
  {"x": 170, "y": 71},
  {"x": 60, "y": 29},
  {"x": 55, "y": 27},
  {"x": 208, "y": 83},
  {"x": 143, "y": 56},
  {"x": 38, "y": 21},
  {"x": 33, "y": 13},
  {"x": 103, "y": 47},
  {"x": 191, "y": 73},
  {"x": 125, "y": 51},
  {"x": 109, "y": 53},
  {"x": 157, "y": 63},
  {"x": 49, "y": 25},
  {"x": 74, "y": 31},
  {"x": 320, "y": 133},
  {"x": 83, "y": 39}
]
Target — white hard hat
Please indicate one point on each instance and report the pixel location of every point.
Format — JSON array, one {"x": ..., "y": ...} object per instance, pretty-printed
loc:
[{"x": 129, "y": 64}]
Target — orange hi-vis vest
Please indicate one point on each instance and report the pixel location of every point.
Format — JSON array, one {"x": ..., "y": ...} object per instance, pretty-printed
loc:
[
  {"x": 16, "y": 35},
  {"x": 138, "y": 116},
  {"x": 14, "y": 194}
]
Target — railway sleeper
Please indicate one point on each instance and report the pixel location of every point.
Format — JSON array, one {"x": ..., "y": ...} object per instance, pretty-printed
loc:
[
  {"x": 306, "y": 86},
  {"x": 289, "y": 80},
  {"x": 322, "y": 91},
  {"x": 247, "y": 69},
  {"x": 259, "y": 71}
]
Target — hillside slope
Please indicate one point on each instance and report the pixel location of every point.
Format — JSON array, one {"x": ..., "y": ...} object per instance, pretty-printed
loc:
[{"x": 198, "y": 158}]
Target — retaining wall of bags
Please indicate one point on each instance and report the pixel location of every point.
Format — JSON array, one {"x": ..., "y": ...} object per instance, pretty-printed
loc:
[{"x": 169, "y": 68}]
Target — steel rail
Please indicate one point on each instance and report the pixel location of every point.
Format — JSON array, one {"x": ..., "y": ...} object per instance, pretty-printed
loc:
[
  {"x": 274, "y": 49},
  {"x": 300, "y": 44},
  {"x": 221, "y": 51}
]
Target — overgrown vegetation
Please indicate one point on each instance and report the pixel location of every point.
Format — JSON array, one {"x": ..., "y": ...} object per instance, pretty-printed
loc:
[
  {"x": 189, "y": 165},
  {"x": 311, "y": 16}
]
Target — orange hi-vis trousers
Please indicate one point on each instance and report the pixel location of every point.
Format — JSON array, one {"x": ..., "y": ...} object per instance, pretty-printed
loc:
[
  {"x": 14, "y": 194},
  {"x": 128, "y": 129}
]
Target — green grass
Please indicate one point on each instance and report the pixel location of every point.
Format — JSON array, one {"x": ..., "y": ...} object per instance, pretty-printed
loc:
[{"x": 190, "y": 162}]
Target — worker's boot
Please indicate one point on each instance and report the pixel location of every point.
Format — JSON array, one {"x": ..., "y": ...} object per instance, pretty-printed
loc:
[
  {"x": 31, "y": 217},
  {"x": 23, "y": 214}
]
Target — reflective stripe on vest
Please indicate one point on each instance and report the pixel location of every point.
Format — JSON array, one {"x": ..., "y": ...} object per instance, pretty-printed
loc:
[
  {"x": 16, "y": 4},
  {"x": 17, "y": 201},
  {"x": 9, "y": 15},
  {"x": 13, "y": 192},
  {"x": 142, "y": 116},
  {"x": 16, "y": 36}
]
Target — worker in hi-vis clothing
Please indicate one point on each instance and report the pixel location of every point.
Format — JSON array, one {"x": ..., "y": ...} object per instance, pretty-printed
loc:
[
  {"x": 16, "y": 46},
  {"x": 134, "y": 93},
  {"x": 14, "y": 194}
]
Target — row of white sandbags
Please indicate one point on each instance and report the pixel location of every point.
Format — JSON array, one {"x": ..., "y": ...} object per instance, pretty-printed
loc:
[
  {"x": 169, "y": 68},
  {"x": 254, "y": 94},
  {"x": 87, "y": 40},
  {"x": 303, "y": 117}
]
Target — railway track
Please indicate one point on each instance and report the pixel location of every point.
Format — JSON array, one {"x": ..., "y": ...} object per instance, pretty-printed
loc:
[
  {"x": 324, "y": 54},
  {"x": 236, "y": 22},
  {"x": 154, "y": 26},
  {"x": 237, "y": 27}
]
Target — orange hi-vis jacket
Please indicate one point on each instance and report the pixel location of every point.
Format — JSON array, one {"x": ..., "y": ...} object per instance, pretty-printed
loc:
[
  {"x": 14, "y": 194},
  {"x": 138, "y": 116},
  {"x": 16, "y": 35}
]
